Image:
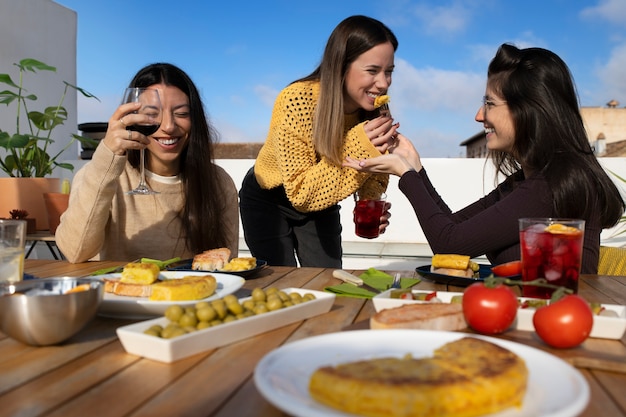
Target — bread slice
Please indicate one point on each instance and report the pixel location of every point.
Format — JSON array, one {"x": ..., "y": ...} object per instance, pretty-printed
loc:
[
  {"x": 211, "y": 260},
  {"x": 429, "y": 316},
  {"x": 193, "y": 287},
  {"x": 117, "y": 287},
  {"x": 464, "y": 378}
]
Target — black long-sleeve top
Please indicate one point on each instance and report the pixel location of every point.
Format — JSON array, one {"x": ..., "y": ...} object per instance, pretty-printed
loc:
[{"x": 490, "y": 225}]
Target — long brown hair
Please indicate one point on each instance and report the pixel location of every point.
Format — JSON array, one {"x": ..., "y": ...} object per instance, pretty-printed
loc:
[
  {"x": 351, "y": 38},
  {"x": 203, "y": 207},
  {"x": 550, "y": 136}
]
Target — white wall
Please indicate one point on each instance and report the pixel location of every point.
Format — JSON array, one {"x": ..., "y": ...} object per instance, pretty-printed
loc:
[
  {"x": 460, "y": 181},
  {"x": 45, "y": 31}
]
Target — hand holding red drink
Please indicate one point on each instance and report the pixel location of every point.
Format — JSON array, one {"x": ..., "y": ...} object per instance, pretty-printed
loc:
[{"x": 368, "y": 211}]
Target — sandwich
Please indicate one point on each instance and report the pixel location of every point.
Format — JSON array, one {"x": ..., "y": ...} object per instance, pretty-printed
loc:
[{"x": 454, "y": 265}]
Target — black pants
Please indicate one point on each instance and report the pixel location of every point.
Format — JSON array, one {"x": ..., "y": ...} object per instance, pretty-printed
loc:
[{"x": 276, "y": 232}]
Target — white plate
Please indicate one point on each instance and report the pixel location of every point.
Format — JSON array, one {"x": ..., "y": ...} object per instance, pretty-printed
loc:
[
  {"x": 169, "y": 350},
  {"x": 555, "y": 388},
  {"x": 604, "y": 327},
  {"x": 141, "y": 308}
]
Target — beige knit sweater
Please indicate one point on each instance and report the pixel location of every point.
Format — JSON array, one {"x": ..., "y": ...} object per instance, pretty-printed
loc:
[
  {"x": 288, "y": 158},
  {"x": 103, "y": 223}
]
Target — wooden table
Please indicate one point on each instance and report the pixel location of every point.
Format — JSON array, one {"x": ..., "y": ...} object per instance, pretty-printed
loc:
[{"x": 91, "y": 374}]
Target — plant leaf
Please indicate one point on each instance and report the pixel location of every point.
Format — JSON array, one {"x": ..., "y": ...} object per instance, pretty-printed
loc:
[{"x": 29, "y": 64}]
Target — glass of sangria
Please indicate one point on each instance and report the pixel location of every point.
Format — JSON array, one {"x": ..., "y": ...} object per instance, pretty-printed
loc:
[
  {"x": 551, "y": 248},
  {"x": 368, "y": 210}
]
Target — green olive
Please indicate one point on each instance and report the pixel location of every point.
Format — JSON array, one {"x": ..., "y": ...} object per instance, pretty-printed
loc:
[
  {"x": 308, "y": 296},
  {"x": 260, "y": 309},
  {"x": 283, "y": 295},
  {"x": 188, "y": 320},
  {"x": 235, "y": 308},
  {"x": 174, "y": 313},
  {"x": 258, "y": 294},
  {"x": 248, "y": 304},
  {"x": 295, "y": 296},
  {"x": 201, "y": 304},
  {"x": 171, "y": 331},
  {"x": 203, "y": 325},
  {"x": 271, "y": 290},
  {"x": 152, "y": 332},
  {"x": 207, "y": 313},
  {"x": 230, "y": 298},
  {"x": 274, "y": 304},
  {"x": 220, "y": 309}
]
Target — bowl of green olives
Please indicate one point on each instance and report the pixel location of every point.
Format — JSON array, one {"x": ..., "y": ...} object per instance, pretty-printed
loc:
[{"x": 48, "y": 311}]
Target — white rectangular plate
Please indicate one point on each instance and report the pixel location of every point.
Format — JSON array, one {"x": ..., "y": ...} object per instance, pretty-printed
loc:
[
  {"x": 603, "y": 327},
  {"x": 170, "y": 350}
]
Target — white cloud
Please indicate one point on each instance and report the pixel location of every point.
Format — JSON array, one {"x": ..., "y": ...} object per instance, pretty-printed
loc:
[
  {"x": 266, "y": 94},
  {"x": 442, "y": 20},
  {"x": 613, "y": 11},
  {"x": 436, "y": 89},
  {"x": 611, "y": 76}
]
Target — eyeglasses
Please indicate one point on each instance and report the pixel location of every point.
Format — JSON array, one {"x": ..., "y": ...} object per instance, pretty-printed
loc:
[{"x": 489, "y": 103}]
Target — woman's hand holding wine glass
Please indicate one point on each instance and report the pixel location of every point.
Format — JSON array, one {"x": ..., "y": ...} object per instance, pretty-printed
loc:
[{"x": 151, "y": 111}]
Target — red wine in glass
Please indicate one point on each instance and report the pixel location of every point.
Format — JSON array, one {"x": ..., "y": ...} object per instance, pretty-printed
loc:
[
  {"x": 151, "y": 107},
  {"x": 146, "y": 130}
]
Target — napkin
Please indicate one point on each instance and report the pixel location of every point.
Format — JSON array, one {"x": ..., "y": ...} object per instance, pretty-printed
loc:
[{"x": 374, "y": 278}]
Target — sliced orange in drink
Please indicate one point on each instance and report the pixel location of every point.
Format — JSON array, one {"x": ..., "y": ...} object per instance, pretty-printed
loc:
[{"x": 561, "y": 229}]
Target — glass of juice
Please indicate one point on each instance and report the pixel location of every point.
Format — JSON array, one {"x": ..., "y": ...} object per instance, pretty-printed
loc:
[
  {"x": 368, "y": 210},
  {"x": 12, "y": 242},
  {"x": 551, "y": 248}
]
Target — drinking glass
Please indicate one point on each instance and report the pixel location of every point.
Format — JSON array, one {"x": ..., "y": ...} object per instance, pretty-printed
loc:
[
  {"x": 551, "y": 249},
  {"x": 150, "y": 106},
  {"x": 368, "y": 210},
  {"x": 12, "y": 242}
]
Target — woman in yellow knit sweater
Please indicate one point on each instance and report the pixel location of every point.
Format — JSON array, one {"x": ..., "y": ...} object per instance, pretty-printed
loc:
[{"x": 289, "y": 199}]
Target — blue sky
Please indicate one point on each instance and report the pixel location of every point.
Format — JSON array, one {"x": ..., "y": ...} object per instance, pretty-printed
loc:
[{"x": 242, "y": 53}]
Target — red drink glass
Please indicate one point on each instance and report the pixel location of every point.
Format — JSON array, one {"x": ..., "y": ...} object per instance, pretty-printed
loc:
[
  {"x": 551, "y": 249},
  {"x": 367, "y": 214}
]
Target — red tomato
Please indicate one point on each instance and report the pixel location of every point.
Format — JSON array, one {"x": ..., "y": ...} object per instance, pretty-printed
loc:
[
  {"x": 564, "y": 323},
  {"x": 489, "y": 310},
  {"x": 508, "y": 269}
]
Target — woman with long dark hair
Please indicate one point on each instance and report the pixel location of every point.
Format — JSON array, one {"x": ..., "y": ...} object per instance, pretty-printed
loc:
[
  {"x": 197, "y": 205},
  {"x": 536, "y": 138}
]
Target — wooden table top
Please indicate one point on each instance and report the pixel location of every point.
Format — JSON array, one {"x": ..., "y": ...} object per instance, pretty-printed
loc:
[{"x": 92, "y": 374}]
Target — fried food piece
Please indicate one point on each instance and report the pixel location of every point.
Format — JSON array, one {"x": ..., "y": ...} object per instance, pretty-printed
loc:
[
  {"x": 465, "y": 378},
  {"x": 193, "y": 287},
  {"x": 140, "y": 273}
]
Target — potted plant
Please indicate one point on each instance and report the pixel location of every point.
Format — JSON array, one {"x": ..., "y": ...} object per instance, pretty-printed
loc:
[
  {"x": 27, "y": 155},
  {"x": 17, "y": 214}
]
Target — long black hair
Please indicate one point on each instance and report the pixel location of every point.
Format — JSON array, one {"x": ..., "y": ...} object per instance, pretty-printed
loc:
[
  {"x": 550, "y": 136},
  {"x": 203, "y": 208}
]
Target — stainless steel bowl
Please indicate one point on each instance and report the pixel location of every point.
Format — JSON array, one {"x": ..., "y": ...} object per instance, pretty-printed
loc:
[{"x": 42, "y": 312}]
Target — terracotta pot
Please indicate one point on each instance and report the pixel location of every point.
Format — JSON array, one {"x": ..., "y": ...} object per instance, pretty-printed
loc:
[
  {"x": 56, "y": 204},
  {"x": 27, "y": 194}
]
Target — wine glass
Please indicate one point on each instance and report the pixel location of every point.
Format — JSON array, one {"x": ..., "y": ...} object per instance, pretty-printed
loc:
[{"x": 150, "y": 106}]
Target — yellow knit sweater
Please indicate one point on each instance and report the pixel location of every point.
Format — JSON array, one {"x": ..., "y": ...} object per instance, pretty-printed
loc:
[{"x": 288, "y": 158}]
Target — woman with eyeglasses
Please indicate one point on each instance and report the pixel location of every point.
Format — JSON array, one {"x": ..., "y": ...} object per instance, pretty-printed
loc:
[{"x": 536, "y": 139}]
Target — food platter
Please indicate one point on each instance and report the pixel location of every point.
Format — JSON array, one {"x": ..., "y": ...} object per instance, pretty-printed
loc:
[
  {"x": 185, "y": 265},
  {"x": 424, "y": 271},
  {"x": 604, "y": 327},
  {"x": 136, "y": 342},
  {"x": 140, "y": 307},
  {"x": 282, "y": 376}
]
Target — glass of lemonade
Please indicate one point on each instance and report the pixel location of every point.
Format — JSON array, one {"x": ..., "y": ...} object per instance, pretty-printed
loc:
[
  {"x": 367, "y": 213},
  {"x": 551, "y": 248},
  {"x": 12, "y": 242}
]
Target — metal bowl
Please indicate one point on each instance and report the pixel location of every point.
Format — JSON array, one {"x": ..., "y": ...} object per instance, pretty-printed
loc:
[{"x": 42, "y": 312}]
